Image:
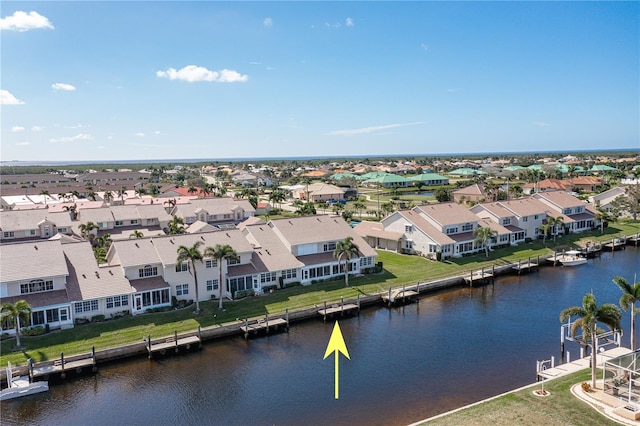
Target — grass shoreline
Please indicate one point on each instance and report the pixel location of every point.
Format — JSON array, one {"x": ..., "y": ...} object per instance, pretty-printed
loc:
[{"x": 398, "y": 270}]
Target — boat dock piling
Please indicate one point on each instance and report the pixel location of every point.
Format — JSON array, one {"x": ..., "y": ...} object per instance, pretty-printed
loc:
[
  {"x": 617, "y": 243},
  {"x": 526, "y": 267},
  {"x": 264, "y": 325},
  {"x": 60, "y": 367},
  {"x": 481, "y": 276},
  {"x": 174, "y": 342},
  {"x": 401, "y": 297},
  {"x": 339, "y": 309}
]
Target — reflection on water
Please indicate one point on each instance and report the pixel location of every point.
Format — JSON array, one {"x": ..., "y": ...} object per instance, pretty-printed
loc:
[{"x": 407, "y": 363}]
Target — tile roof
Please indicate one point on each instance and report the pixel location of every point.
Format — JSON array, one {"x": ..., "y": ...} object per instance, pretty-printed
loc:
[
  {"x": 524, "y": 206},
  {"x": 38, "y": 300},
  {"x": 28, "y": 219},
  {"x": 88, "y": 281},
  {"x": 31, "y": 260},
  {"x": 559, "y": 198},
  {"x": 375, "y": 229},
  {"x": 270, "y": 253},
  {"x": 447, "y": 213},
  {"x": 426, "y": 227}
]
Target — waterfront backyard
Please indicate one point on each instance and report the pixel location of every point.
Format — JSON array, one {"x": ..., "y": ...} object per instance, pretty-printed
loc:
[{"x": 398, "y": 270}]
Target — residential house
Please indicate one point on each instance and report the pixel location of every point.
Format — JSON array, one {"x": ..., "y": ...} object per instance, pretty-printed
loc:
[
  {"x": 576, "y": 216},
  {"x": 470, "y": 194},
  {"x": 18, "y": 225},
  {"x": 604, "y": 199},
  {"x": 376, "y": 236},
  {"x": 501, "y": 216},
  {"x": 523, "y": 217},
  {"x": 214, "y": 211}
]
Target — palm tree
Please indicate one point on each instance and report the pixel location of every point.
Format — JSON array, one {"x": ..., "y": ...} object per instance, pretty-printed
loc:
[
  {"x": 108, "y": 196},
  {"x": 103, "y": 241},
  {"x": 221, "y": 252},
  {"x": 86, "y": 228},
  {"x": 140, "y": 192},
  {"x": 14, "y": 312},
  {"x": 630, "y": 295},
  {"x": 554, "y": 223},
  {"x": 602, "y": 216},
  {"x": 46, "y": 194},
  {"x": 360, "y": 205},
  {"x": 590, "y": 314},
  {"x": 176, "y": 226},
  {"x": 73, "y": 211},
  {"x": 484, "y": 235},
  {"x": 322, "y": 205},
  {"x": 545, "y": 229},
  {"x": 100, "y": 254},
  {"x": 121, "y": 193},
  {"x": 191, "y": 255},
  {"x": 136, "y": 234},
  {"x": 346, "y": 249},
  {"x": 277, "y": 196},
  {"x": 192, "y": 190}
]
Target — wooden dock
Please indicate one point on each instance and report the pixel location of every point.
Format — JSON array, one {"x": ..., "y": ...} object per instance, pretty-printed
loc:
[
  {"x": 633, "y": 240},
  {"x": 60, "y": 367},
  {"x": 265, "y": 325},
  {"x": 339, "y": 309},
  {"x": 616, "y": 244},
  {"x": 399, "y": 297},
  {"x": 175, "y": 343},
  {"x": 481, "y": 276},
  {"x": 525, "y": 266}
]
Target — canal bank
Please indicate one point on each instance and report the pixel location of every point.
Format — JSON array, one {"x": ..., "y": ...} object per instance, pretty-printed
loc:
[{"x": 448, "y": 350}]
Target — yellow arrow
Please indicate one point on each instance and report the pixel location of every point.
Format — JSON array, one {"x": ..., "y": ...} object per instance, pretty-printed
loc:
[{"x": 336, "y": 344}]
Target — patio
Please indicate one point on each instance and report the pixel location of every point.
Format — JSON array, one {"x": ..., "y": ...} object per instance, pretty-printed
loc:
[{"x": 621, "y": 389}]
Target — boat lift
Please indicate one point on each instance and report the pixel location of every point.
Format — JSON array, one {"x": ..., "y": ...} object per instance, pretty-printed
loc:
[{"x": 604, "y": 339}]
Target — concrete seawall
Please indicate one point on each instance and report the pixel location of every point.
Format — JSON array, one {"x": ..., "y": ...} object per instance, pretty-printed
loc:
[{"x": 234, "y": 328}]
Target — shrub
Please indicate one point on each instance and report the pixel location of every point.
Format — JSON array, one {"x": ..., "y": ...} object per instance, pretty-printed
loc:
[
  {"x": 79, "y": 321},
  {"x": 293, "y": 284},
  {"x": 586, "y": 387},
  {"x": 35, "y": 331},
  {"x": 97, "y": 318}
]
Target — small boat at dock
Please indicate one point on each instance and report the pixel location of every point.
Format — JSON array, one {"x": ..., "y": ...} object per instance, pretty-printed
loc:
[
  {"x": 571, "y": 258},
  {"x": 21, "y": 386}
]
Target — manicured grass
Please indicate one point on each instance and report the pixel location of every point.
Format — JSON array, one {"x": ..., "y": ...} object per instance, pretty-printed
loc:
[
  {"x": 524, "y": 408},
  {"x": 399, "y": 270}
]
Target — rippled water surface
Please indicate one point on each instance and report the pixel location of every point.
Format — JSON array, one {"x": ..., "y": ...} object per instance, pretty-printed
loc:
[{"x": 450, "y": 349}]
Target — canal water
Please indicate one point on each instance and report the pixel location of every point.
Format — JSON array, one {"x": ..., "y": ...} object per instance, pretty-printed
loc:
[{"x": 450, "y": 349}]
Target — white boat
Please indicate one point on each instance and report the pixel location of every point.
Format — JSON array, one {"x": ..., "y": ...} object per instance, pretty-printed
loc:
[
  {"x": 20, "y": 386},
  {"x": 571, "y": 258}
]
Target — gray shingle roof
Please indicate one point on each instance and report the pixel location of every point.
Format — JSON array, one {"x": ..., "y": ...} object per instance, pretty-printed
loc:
[{"x": 31, "y": 260}]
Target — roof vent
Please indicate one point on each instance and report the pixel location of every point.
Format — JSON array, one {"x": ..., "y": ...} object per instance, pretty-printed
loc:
[
  {"x": 137, "y": 245},
  {"x": 110, "y": 272},
  {"x": 267, "y": 252},
  {"x": 171, "y": 241},
  {"x": 227, "y": 234},
  {"x": 97, "y": 274},
  {"x": 84, "y": 276},
  {"x": 202, "y": 237},
  {"x": 35, "y": 247}
]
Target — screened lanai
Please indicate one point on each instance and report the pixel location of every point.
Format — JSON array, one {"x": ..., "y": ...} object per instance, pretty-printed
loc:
[{"x": 622, "y": 384}]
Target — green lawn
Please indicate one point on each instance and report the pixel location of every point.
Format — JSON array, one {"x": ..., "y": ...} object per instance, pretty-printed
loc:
[
  {"x": 524, "y": 408},
  {"x": 399, "y": 270}
]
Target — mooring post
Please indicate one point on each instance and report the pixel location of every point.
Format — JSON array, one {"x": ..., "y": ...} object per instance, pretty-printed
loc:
[
  {"x": 267, "y": 321},
  {"x": 341, "y": 305},
  {"x": 471, "y": 278},
  {"x": 324, "y": 313},
  {"x": 358, "y": 303},
  {"x": 286, "y": 317},
  {"x": 63, "y": 374},
  {"x": 199, "y": 337},
  {"x": 246, "y": 328},
  {"x": 149, "y": 345},
  {"x": 175, "y": 337},
  {"x": 389, "y": 298},
  {"x": 30, "y": 364}
]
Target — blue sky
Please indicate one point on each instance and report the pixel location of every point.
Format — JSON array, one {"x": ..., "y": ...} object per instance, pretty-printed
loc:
[{"x": 159, "y": 80}]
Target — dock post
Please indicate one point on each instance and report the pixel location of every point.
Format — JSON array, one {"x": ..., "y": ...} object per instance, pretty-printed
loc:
[
  {"x": 30, "y": 365},
  {"x": 341, "y": 306},
  {"x": 358, "y": 302},
  {"x": 149, "y": 345},
  {"x": 246, "y": 327},
  {"x": 389, "y": 298},
  {"x": 63, "y": 374},
  {"x": 267, "y": 320},
  {"x": 199, "y": 338},
  {"x": 493, "y": 272},
  {"x": 538, "y": 263},
  {"x": 324, "y": 315},
  {"x": 286, "y": 317},
  {"x": 471, "y": 278},
  {"x": 482, "y": 278},
  {"x": 93, "y": 358}
]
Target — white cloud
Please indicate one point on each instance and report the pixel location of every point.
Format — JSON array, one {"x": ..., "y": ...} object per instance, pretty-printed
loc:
[
  {"x": 192, "y": 73},
  {"x": 255, "y": 63},
  {"x": 349, "y": 22},
  {"x": 157, "y": 132},
  {"x": 268, "y": 22},
  {"x": 140, "y": 135},
  {"x": 78, "y": 137},
  {"x": 424, "y": 47},
  {"x": 6, "y": 98},
  {"x": 23, "y": 143},
  {"x": 63, "y": 86},
  {"x": 541, "y": 124},
  {"x": 16, "y": 129},
  {"x": 370, "y": 129},
  {"x": 36, "y": 129},
  {"x": 22, "y": 21}
]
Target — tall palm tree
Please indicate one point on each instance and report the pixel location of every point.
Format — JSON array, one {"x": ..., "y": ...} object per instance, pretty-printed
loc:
[
  {"x": 86, "y": 228},
  {"x": 555, "y": 223},
  {"x": 14, "y": 312},
  {"x": 136, "y": 234},
  {"x": 73, "y": 211},
  {"x": 46, "y": 194},
  {"x": 221, "y": 252},
  {"x": 360, "y": 205},
  {"x": 602, "y": 216},
  {"x": 277, "y": 196},
  {"x": 108, "y": 196},
  {"x": 346, "y": 249},
  {"x": 191, "y": 255},
  {"x": 590, "y": 314},
  {"x": 176, "y": 226},
  {"x": 484, "y": 235},
  {"x": 544, "y": 229},
  {"x": 630, "y": 295},
  {"x": 121, "y": 193}
]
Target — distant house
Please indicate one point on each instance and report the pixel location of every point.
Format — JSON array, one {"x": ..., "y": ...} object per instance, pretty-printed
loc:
[
  {"x": 472, "y": 193},
  {"x": 604, "y": 199},
  {"x": 319, "y": 192},
  {"x": 429, "y": 179},
  {"x": 19, "y": 225},
  {"x": 214, "y": 210},
  {"x": 576, "y": 216}
]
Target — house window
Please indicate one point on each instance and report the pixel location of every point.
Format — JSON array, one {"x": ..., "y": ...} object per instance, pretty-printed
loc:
[
  {"x": 119, "y": 223},
  {"x": 329, "y": 247},
  {"x": 148, "y": 271},
  {"x": 366, "y": 261},
  {"x": 210, "y": 263},
  {"x": 452, "y": 230},
  {"x": 181, "y": 289},
  {"x": 267, "y": 277},
  {"x": 467, "y": 227},
  {"x": 408, "y": 244},
  {"x": 86, "y": 306},
  {"x": 36, "y": 286},
  {"x": 535, "y": 217},
  {"x": 9, "y": 234},
  {"x": 117, "y": 301},
  {"x": 212, "y": 285},
  {"x": 289, "y": 273},
  {"x": 408, "y": 229},
  {"x": 31, "y": 232},
  {"x": 134, "y": 221},
  {"x": 233, "y": 261},
  {"x": 566, "y": 211},
  {"x": 182, "y": 267},
  {"x": 227, "y": 216},
  {"x": 578, "y": 209},
  {"x": 525, "y": 218},
  {"x": 64, "y": 314}
]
